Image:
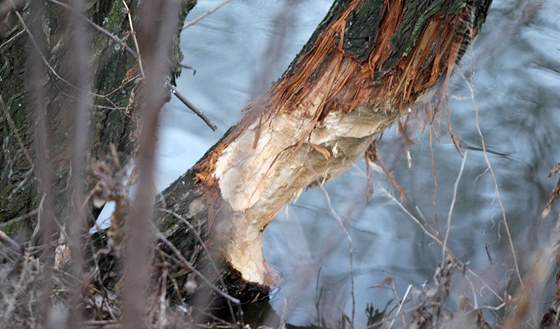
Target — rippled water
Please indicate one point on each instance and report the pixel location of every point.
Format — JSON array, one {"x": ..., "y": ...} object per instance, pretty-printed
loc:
[{"x": 514, "y": 73}]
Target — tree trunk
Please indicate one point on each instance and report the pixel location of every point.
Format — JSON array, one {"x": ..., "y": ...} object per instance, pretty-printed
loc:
[
  {"x": 70, "y": 103},
  {"x": 113, "y": 117},
  {"x": 368, "y": 63}
]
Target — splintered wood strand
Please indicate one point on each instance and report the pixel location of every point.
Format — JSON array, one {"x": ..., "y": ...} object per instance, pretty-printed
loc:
[
  {"x": 413, "y": 76},
  {"x": 392, "y": 16},
  {"x": 290, "y": 90}
]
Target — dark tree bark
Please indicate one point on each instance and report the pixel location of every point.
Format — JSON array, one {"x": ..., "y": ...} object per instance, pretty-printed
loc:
[
  {"x": 366, "y": 65},
  {"x": 113, "y": 119}
]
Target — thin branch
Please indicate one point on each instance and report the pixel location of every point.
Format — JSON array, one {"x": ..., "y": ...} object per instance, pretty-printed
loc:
[
  {"x": 98, "y": 28},
  {"x": 189, "y": 266},
  {"x": 350, "y": 248},
  {"x": 133, "y": 33},
  {"x": 6, "y": 238},
  {"x": 17, "y": 219},
  {"x": 134, "y": 54},
  {"x": 193, "y": 108},
  {"x": 78, "y": 107},
  {"x": 101, "y": 324},
  {"x": 400, "y": 305},
  {"x": 159, "y": 20},
  {"x": 555, "y": 194},
  {"x": 163, "y": 300},
  {"x": 201, "y": 17},
  {"x": 438, "y": 241},
  {"x": 188, "y": 67},
  {"x": 494, "y": 179},
  {"x": 46, "y": 215},
  {"x": 13, "y": 38},
  {"x": 452, "y": 206},
  {"x": 15, "y": 132},
  {"x": 42, "y": 58},
  {"x": 45, "y": 61},
  {"x": 201, "y": 241}
]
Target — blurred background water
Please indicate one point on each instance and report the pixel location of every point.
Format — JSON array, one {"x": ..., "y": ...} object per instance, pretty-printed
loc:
[{"x": 514, "y": 72}]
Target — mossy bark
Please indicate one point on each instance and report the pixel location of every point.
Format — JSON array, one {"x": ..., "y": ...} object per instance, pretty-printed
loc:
[{"x": 112, "y": 118}]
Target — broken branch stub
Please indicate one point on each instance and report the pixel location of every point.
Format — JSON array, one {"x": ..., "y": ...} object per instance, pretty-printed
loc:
[{"x": 367, "y": 62}]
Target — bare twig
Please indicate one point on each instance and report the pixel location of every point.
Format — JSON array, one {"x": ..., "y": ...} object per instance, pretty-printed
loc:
[
  {"x": 401, "y": 303},
  {"x": 17, "y": 219},
  {"x": 193, "y": 108},
  {"x": 189, "y": 266},
  {"x": 133, "y": 33},
  {"x": 350, "y": 248},
  {"x": 438, "y": 241},
  {"x": 494, "y": 179},
  {"x": 159, "y": 19},
  {"x": 98, "y": 28},
  {"x": 13, "y": 38},
  {"x": 6, "y": 238},
  {"x": 46, "y": 212},
  {"x": 78, "y": 107},
  {"x": 102, "y": 324},
  {"x": 204, "y": 247},
  {"x": 555, "y": 195},
  {"x": 201, "y": 17},
  {"x": 134, "y": 54},
  {"x": 452, "y": 206},
  {"x": 163, "y": 300},
  {"x": 15, "y": 132}
]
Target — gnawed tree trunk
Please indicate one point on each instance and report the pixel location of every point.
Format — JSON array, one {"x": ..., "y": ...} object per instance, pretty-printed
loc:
[{"x": 368, "y": 63}]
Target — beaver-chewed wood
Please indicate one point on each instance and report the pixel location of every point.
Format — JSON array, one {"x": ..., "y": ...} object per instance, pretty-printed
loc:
[{"x": 368, "y": 63}]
